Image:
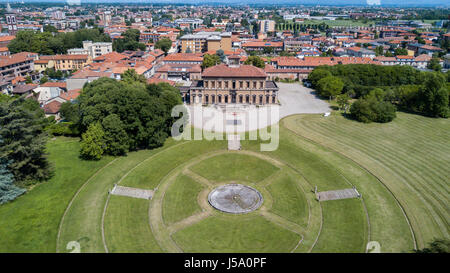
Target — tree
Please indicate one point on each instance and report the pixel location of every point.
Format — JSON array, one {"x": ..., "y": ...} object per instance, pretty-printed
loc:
[
  {"x": 48, "y": 43},
  {"x": 8, "y": 191},
  {"x": 43, "y": 80},
  {"x": 115, "y": 138},
  {"x": 130, "y": 41},
  {"x": 164, "y": 44},
  {"x": 132, "y": 114},
  {"x": 28, "y": 80},
  {"x": 436, "y": 246},
  {"x": 379, "y": 50},
  {"x": 210, "y": 60},
  {"x": 400, "y": 51},
  {"x": 370, "y": 109},
  {"x": 70, "y": 111},
  {"x": 316, "y": 75},
  {"x": 434, "y": 64},
  {"x": 130, "y": 76},
  {"x": 342, "y": 101},
  {"x": 255, "y": 61},
  {"x": 330, "y": 86},
  {"x": 92, "y": 142},
  {"x": 50, "y": 28},
  {"x": 268, "y": 50},
  {"x": 221, "y": 55},
  {"x": 22, "y": 131},
  {"x": 433, "y": 96}
]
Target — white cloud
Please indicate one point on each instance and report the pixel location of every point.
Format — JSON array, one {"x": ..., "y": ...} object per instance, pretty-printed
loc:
[{"x": 374, "y": 2}]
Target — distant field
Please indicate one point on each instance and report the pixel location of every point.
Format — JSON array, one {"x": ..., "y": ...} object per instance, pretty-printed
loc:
[{"x": 331, "y": 23}]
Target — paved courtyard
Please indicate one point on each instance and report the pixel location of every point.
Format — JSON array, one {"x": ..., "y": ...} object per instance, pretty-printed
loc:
[
  {"x": 294, "y": 99},
  {"x": 297, "y": 99}
]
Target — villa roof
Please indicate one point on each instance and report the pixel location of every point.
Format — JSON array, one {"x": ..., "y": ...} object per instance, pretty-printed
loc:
[{"x": 243, "y": 71}]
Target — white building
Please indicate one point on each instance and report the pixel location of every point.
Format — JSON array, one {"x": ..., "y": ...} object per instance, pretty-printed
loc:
[{"x": 94, "y": 50}]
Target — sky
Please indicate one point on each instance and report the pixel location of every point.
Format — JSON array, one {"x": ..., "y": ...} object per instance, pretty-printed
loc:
[{"x": 430, "y": 3}]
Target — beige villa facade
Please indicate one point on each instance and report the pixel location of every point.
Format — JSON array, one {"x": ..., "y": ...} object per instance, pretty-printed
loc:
[{"x": 222, "y": 84}]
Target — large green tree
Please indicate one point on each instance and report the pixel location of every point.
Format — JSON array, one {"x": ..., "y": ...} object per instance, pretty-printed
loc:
[
  {"x": 132, "y": 114},
  {"x": 22, "y": 130},
  {"x": 92, "y": 144},
  {"x": 164, "y": 44},
  {"x": 210, "y": 60},
  {"x": 255, "y": 61},
  {"x": 330, "y": 86},
  {"x": 433, "y": 97}
]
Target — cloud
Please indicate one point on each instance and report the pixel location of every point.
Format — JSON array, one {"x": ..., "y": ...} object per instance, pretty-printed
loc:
[{"x": 374, "y": 2}]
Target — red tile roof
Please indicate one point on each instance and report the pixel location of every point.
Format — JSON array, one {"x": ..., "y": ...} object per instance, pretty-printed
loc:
[
  {"x": 263, "y": 44},
  {"x": 7, "y": 38},
  {"x": 54, "y": 84},
  {"x": 187, "y": 57},
  {"x": 72, "y": 57},
  {"x": 71, "y": 94},
  {"x": 111, "y": 57},
  {"x": 52, "y": 107},
  {"x": 243, "y": 71},
  {"x": 155, "y": 80}
]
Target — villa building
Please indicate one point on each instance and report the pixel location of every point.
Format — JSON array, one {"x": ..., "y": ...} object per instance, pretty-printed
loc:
[{"x": 230, "y": 84}]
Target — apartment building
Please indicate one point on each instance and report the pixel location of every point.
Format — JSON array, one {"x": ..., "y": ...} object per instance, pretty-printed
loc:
[
  {"x": 71, "y": 62},
  {"x": 20, "y": 64},
  {"x": 205, "y": 41},
  {"x": 266, "y": 26},
  {"x": 94, "y": 50}
]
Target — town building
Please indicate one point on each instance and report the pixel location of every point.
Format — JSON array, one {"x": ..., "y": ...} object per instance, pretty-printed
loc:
[
  {"x": 205, "y": 41},
  {"x": 71, "y": 62},
  {"x": 223, "y": 84},
  {"x": 266, "y": 26},
  {"x": 19, "y": 64},
  {"x": 94, "y": 50}
]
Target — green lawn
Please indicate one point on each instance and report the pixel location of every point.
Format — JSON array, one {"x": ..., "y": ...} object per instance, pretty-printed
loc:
[
  {"x": 180, "y": 200},
  {"x": 236, "y": 234},
  {"x": 239, "y": 167},
  {"x": 125, "y": 218},
  {"x": 82, "y": 222},
  {"x": 402, "y": 164},
  {"x": 410, "y": 156},
  {"x": 30, "y": 223},
  {"x": 288, "y": 199},
  {"x": 346, "y": 227},
  {"x": 149, "y": 174}
]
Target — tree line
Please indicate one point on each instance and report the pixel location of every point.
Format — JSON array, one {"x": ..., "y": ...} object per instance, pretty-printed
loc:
[
  {"x": 51, "y": 43},
  {"x": 380, "y": 90}
]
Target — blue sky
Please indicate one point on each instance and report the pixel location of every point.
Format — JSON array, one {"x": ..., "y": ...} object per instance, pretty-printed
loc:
[{"x": 306, "y": 2}]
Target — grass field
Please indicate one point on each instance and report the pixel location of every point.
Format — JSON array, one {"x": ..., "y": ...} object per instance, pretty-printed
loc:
[
  {"x": 229, "y": 167},
  {"x": 181, "y": 199},
  {"x": 288, "y": 199},
  {"x": 400, "y": 168},
  {"x": 410, "y": 156},
  {"x": 30, "y": 223},
  {"x": 125, "y": 218},
  {"x": 236, "y": 234}
]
